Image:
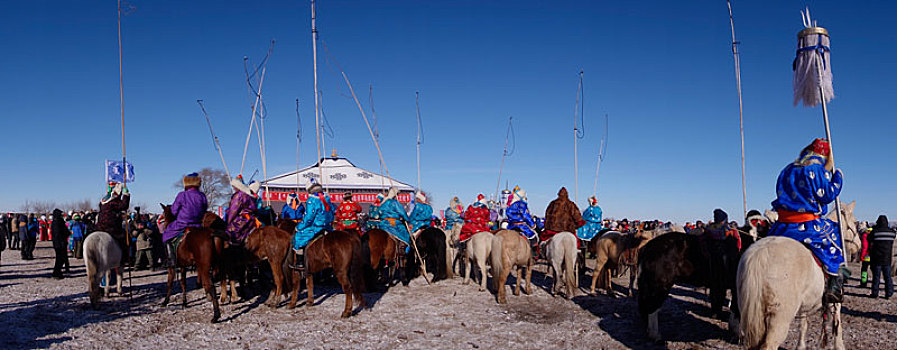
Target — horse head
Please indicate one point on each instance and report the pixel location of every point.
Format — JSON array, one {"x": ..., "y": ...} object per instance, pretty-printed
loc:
[
  {"x": 849, "y": 229},
  {"x": 166, "y": 213}
]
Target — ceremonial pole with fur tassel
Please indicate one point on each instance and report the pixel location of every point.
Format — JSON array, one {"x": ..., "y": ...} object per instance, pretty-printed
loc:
[{"x": 813, "y": 83}]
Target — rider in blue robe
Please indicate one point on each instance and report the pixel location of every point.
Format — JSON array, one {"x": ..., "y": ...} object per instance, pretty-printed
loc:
[
  {"x": 592, "y": 216},
  {"x": 393, "y": 217},
  {"x": 519, "y": 218},
  {"x": 318, "y": 217},
  {"x": 421, "y": 216},
  {"x": 804, "y": 190}
]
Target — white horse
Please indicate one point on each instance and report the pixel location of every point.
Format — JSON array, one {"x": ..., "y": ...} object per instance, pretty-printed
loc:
[
  {"x": 101, "y": 256},
  {"x": 478, "y": 251},
  {"x": 778, "y": 279},
  {"x": 561, "y": 253},
  {"x": 451, "y": 250}
]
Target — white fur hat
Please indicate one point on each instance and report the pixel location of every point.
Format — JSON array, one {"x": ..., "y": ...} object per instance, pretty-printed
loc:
[
  {"x": 393, "y": 191},
  {"x": 254, "y": 187},
  {"x": 420, "y": 196},
  {"x": 237, "y": 183}
]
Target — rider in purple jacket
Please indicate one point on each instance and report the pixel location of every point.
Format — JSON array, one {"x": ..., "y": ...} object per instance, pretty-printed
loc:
[{"x": 188, "y": 208}]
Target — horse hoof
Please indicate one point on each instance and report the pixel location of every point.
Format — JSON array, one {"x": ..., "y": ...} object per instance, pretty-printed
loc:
[{"x": 345, "y": 315}]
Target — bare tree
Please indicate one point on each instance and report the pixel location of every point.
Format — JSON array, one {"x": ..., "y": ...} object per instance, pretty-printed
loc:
[
  {"x": 38, "y": 207},
  {"x": 215, "y": 185}
]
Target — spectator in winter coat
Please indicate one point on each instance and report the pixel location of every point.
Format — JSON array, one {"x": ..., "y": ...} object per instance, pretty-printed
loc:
[
  {"x": 880, "y": 252},
  {"x": 12, "y": 230},
  {"x": 294, "y": 209},
  {"x": 592, "y": 216},
  {"x": 78, "y": 230},
  {"x": 22, "y": 223},
  {"x": 318, "y": 218},
  {"x": 60, "y": 235},
  {"x": 44, "y": 228},
  {"x": 241, "y": 211},
  {"x": 346, "y": 217},
  {"x": 4, "y": 231},
  {"x": 421, "y": 216},
  {"x": 144, "y": 245},
  {"x": 110, "y": 219},
  {"x": 562, "y": 215},
  {"x": 519, "y": 217},
  {"x": 188, "y": 208},
  {"x": 476, "y": 219},
  {"x": 864, "y": 257},
  {"x": 30, "y": 238}
]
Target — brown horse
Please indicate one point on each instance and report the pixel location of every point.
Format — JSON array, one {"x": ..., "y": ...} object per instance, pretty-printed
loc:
[
  {"x": 272, "y": 244},
  {"x": 197, "y": 248},
  {"x": 379, "y": 246},
  {"x": 340, "y": 251},
  {"x": 614, "y": 250},
  {"x": 510, "y": 250}
]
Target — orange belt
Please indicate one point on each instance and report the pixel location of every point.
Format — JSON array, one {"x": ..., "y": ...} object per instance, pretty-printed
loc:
[
  {"x": 793, "y": 217},
  {"x": 392, "y": 221}
]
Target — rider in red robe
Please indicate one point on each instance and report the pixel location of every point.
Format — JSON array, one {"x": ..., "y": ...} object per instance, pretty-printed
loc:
[
  {"x": 476, "y": 219},
  {"x": 347, "y": 214}
]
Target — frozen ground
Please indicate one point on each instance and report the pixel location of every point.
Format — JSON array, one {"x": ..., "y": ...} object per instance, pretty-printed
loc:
[{"x": 39, "y": 312}]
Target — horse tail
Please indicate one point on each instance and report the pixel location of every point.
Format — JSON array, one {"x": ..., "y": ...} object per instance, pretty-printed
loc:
[
  {"x": 497, "y": 257},
  {"x": 356, "y": 271},
  {"x": 366, "y": 250},
  {"x": 570, "y": 253},
  {"x": 750, "y": 285},
  {"x": 441, "y": 262}
]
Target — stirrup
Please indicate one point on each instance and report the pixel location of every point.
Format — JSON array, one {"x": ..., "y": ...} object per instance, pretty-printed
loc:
[{"x": 298, "y": 260}]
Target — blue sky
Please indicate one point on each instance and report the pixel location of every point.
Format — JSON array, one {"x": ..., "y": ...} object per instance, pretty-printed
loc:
[{"x": 661, "y": 70}]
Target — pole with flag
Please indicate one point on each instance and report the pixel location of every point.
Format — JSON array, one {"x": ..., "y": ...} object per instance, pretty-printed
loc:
[{"x": 813, "y": 83}]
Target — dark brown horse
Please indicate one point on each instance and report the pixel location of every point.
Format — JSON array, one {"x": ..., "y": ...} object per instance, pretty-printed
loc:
[
  {"x": 197, "y": 248},
  {"x": 340, "y": 251},
  {"x": 380, "y": 253},
  {"x": 272, "y": 244}
]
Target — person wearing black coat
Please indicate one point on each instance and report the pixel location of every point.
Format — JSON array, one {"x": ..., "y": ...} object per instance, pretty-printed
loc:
[
  {"x": 23, "y": 235},
  {"x": 60, "y": 234},
  {"x": 881, "y": 242}
]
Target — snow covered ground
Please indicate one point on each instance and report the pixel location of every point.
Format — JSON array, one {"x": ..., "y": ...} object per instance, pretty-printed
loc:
[{"x": 39, "y": 312}]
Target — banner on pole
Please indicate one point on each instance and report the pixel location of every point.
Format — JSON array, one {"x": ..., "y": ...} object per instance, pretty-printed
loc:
[{"x": 119, "y": 171}]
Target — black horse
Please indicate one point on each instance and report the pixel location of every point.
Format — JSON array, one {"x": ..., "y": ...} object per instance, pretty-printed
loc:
[
  {"x": 696, "y": 260},
  {"x": 431, "y": 245}
]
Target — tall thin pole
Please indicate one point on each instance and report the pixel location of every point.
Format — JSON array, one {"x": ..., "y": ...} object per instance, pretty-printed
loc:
[
  {"x": 314, "y": 43},
  {"x": 298, "y": 141},
  {"x": 124, "y": 161},
  {"x": 376, "y": 132},
  {"x": 417, "y": 104},
  {"x": 214, "y": 137},
  {"x": 504, "y": 154},
  {"x": 600, "y": 155},
  {"x": 828, "y": 135},
  {"x": 740, "y": 106},
  {"x": 575, "y": 141}
]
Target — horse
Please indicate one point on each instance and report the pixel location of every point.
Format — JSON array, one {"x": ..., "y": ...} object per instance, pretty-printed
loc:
[
  {"x": 431, "y": 247},
  {"x": 272, "y": 244},
  {"x": 510, "y": 249},
  {"x": 341, "y": 251},
  {"x": 561, "y": 252},
  {"x": 101, "y": 256},
  {"x": 677, "y": 257},
  {"x": 778, "y": 279},
  {"x": 452, "y": 253},
  {"x": 380, "y": 252},
  {"x": 197, "y": 248},
  {"x": 614, "y": 250},
  {"x": 479, "y": 248}
]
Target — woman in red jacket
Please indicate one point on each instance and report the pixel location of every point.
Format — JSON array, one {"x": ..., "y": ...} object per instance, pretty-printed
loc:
[{"x": 476, "y": 219}]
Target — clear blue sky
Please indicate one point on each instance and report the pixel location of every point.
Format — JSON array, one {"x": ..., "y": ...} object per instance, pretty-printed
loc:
[{"x": 662, "y": 70}]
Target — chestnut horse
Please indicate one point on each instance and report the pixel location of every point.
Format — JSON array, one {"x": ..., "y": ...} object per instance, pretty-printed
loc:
[
  {"x": 510, "y": 251},
  {"x": 341, "y": 251},
  {"x": 197, "y": 248},
  {"x": 272, "y": 244},
  {"x": 378, "y": 246}
]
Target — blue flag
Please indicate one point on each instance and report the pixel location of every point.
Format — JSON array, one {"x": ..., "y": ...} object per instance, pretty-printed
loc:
[{"x": 117, "y": 171}]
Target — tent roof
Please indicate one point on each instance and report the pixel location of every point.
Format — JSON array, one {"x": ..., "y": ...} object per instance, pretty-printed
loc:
[{"x": 339, "y": 173}]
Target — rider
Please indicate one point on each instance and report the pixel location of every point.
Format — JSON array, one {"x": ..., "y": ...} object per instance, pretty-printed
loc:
[
  {"x": 294, "y": 209},
  {"x": 476, "y": 219},
  {"x": 804, "y": 189},
  {"x": 318, "y": 218},
  {"x": 347, "y": 214},
  {"x": 454, "y": 219},
  {"x": 188, "y": 208},
  {"x": 562, "y": 215},
  {"x": 519, "y": 218},
  {"x": 373, "y": 219},
  {"x": 393, "y": 218},
  {"x": 592, "y": 216},
  {"x": 421, "y": 216},
  {"x": 112, "y": 207},
  {"x": 241, "y": 211}
]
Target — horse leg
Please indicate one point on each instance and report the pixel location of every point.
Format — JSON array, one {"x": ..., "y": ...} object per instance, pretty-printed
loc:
[
  {"x": 224, "y": 291},
  {"x": 802, "y": 342},
  {"x": 836, "y": 326},
  {"x": 481, "y": 263},
  {"x": 310, "y": 286},
  {"x": 466, "y": 270},
  {"x": 608, "y": 284},
  {"x": 501, "y": 280},
  {"x": 518, "y": 277},
  {"x": 633, "y": 273},
  {"x": 777, "y": 324},
  {"x": 233, "y": 290},
  {"x": 107, "y": 274},
  {"x": 654, "y": 326},
  {"x": 599, "y": 267},
  {"x": 343, "y": 279},
  {"x": 529, "y": 275},
  {"x": 119, "y": 275},
  {"x": 170, "y": 282},
  {"x": 296, "y": 282},
  {"x": 184, "y": 287},
  {"x": 205, "y": 277},
  {"x": 277, "y": 271}
]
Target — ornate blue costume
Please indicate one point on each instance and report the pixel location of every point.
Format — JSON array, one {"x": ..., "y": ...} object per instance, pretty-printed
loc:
[
  {"x": 519, "y": 219},
  {"x": 294, "y": 209},
  {"x": 393, "y": 219},
  {"x": 804, "y": 190},
  {"x": 421, "y": 216},
  {"x": 592, "y": 216},
  {"x": 318, "y": 217}
]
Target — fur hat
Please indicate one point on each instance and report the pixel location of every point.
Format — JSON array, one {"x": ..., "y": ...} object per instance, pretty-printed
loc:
[
  {"x": 254, "y": 187},
  {"x": 347, "y": 196},
  {"x": 192, "y": 180},
  {"x": 393, "y": 191},
  {"x": 421, "y": 197},
  {"x": 820, "y": 147},
  {"x": 314, "y": 186},
  {"x": 593, "y": 201},
  {"x": 238, "y": 184},
  {"x": 481, "y": 199}
]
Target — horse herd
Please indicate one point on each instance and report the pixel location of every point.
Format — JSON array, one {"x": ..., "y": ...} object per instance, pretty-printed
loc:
[{"x": 763, "y": 302}]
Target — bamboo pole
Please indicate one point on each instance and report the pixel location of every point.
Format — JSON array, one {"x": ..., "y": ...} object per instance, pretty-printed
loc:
[{"x": 740, "y": 106}]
